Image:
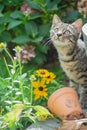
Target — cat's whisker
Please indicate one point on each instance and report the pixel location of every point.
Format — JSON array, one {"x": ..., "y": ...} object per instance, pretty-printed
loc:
[{"x": 48, "y": 41}]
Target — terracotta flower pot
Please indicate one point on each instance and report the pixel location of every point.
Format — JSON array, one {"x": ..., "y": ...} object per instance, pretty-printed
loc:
[{"x": 63, "y": 102}]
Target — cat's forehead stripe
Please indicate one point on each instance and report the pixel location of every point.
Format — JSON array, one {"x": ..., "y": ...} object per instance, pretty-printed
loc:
[{"x": 64, "y": 27}]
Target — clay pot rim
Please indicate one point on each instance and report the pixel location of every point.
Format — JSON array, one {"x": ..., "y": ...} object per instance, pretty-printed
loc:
[{"x": 61, "y": 91}]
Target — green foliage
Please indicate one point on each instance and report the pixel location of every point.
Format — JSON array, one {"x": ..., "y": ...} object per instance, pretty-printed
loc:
[
  {"x": 18, "y": 102},
  {"x": 41, "y": 50},
  {"x": 3, "y": 70},
  {"x": 72, "y": 16},
  {"x": 19, "y": 27}
]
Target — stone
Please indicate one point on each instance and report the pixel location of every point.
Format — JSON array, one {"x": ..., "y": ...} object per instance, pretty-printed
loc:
[{"x": 49, "y": 124}]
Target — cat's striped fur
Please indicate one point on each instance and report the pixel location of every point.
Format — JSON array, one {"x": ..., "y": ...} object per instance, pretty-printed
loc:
[{"x": 72, "y": 54}]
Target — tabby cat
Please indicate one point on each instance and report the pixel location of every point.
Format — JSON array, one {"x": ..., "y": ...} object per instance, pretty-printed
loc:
[{"x": 72, "y": 54}]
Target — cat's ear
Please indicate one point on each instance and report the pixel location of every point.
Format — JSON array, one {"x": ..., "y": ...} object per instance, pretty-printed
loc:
[
  {"x": 78, "y": 24},
  {"x": 56, "y": 20}
]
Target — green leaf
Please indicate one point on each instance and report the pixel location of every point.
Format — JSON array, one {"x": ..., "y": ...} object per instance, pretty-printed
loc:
[
  {"x": 40, "y": 58},
  {"x": 44, "y": 29},
  {"x": 13, "y": 24},
  {"x": 72, "y": 16},
  {"x": 31, "y": 29},
  {"x": 1, "y": 7},
  {"x": 17, "y": 14},
  {"x": 35, "y": 16},
  {"x": 21, "y": 39},
  {"x": 1, "y": 14},
  {"x": 5, "y": 37},
  {"x": 42, "y": 48},
  {"x": 40, "y": 2},
  {"x": 5, "y": 19},
  {"x": 37, "y": 39},
  {"x": 84, "y": 20},
  {"x": 2, "y": 28},
  {"x": 13, "y": 116},
  {"x": 52, "y": 4},
  {"x": 3, "y": 83},
  {"x": 3, "y": 69},
  {"x": 36, "y": 5}
]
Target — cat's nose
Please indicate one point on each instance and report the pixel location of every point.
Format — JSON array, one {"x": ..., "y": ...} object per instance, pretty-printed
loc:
[{"x": 59, "y": 34}]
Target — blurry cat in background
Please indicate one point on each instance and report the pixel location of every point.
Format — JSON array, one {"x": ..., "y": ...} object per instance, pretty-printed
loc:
[{"x": 72, "y": 54}]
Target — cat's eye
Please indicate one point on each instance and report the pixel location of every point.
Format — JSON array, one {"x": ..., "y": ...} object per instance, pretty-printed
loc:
[{"x": 67, "y": 32}]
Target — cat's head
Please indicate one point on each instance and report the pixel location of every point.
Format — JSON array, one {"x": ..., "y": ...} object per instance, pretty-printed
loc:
[{"x": 63, "y": 34}]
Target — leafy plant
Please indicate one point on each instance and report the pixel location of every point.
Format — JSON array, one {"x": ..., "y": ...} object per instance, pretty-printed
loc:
[
  {"x": 26, "y": 22},
  {"x": 20, "y": 93}
]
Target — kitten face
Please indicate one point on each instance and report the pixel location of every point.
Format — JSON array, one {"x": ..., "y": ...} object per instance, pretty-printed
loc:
[{"x": 62, "y": 33}]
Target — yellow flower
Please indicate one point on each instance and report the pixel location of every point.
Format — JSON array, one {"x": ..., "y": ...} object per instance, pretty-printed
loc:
[
  {"x": 2, "y": 46},
  {"x": 17, "y": 49},
  {"x": 40, "y": 89},
  {"x": 32, "y": 78},
  {"x": 50, "y": 77},
  {"x": 42, "y": 113},
  {"x": 42, "y": 73}
]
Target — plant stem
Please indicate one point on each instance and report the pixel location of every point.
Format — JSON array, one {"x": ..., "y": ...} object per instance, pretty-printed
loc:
[
  {"x": 21, "y": 79},
  {"x": 9, "y": 55},
  {"x": 11, "y": 76},
  {"x": 31, "y": 95},
  {"x": 7, "y": 67}
]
